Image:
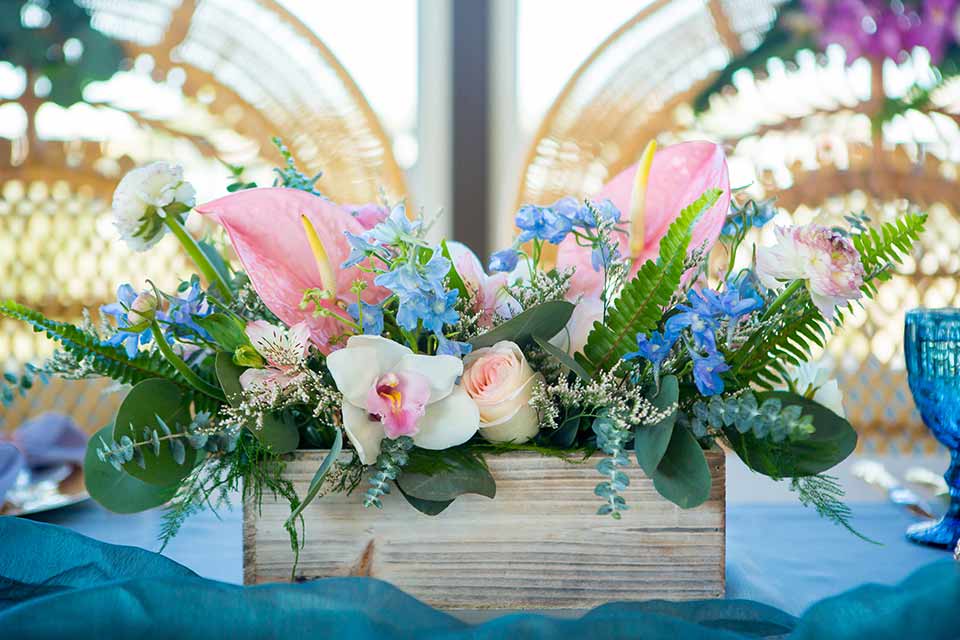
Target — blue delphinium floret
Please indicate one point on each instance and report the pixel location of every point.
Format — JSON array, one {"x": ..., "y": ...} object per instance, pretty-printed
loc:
[
  {"x": 604, "y": 255},
  {"x": 655, "y": 348},
  {"x": 372, "y": 317},
  {"x": 752, "y": 214},
  {"x": 542, "y": 223},
  {"x": 360, "y": 248},
  {"x": 411, "y": 277},
  {"x": 584, "y": 217},
  {"x": 699, "y": 317},
  {"x": 447, "y": 347},
  {"x": 505, "y": 260},
  {"x": 180, "y": 318},
  {"x": 396, "y": 230},
  {"x": 706, "y": 372},
  {"x": 130, "y": 341}
]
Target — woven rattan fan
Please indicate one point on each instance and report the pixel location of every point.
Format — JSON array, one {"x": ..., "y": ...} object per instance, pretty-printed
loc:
[
  {"x": 205, "y": 80},
  {"x": 803, "y": 134}
]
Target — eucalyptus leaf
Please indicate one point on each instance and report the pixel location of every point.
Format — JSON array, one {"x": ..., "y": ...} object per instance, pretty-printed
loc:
[
  {"x": 317, "y": 483},
  {"x": 565, "y": 435},
  {"x": 426, "y": 507},
  {"x": 279, "y": 435},
  {"x": 683, "y": 476},
  {"x": 545, "y": 320},
  {"x": 833, "y": 440},
  {"x": 651, "y": 440},
  {"x": 440, "y": 476},
  {"x": 562, "y": 357},
  {"x": 151, "y": 404},
  {"x": 115, "y": 490},
  {"x": 227, "y": 330}
]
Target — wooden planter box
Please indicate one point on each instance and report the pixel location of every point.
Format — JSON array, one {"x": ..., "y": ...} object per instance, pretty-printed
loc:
[{"x": 538, "y": 545}]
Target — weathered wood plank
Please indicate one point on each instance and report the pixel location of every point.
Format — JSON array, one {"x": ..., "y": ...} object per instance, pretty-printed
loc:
[{"x": 538, "y": 545}]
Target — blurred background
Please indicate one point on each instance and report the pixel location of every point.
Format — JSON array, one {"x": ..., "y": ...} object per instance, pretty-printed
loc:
[{"x": 469, "y": 107}]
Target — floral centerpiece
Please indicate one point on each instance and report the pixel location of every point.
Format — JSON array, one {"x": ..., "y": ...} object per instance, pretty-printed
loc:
[
  {"x": 344, "y": 328},
  {"x": 875, "y": 29}
]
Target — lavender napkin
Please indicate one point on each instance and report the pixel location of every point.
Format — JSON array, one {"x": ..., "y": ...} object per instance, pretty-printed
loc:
[{"x": 48, "y": 440}]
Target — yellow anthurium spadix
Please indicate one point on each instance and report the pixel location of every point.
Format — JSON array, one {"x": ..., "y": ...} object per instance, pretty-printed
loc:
[
  {"x": 328, "y": 281},
  {"x": 638, "y": 199}
]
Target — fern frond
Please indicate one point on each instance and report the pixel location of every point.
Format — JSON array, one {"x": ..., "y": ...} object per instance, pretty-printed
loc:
[
  {"x": 825, "y": 495},
  {"x": 638, "y": 308},
  {"x": 105, "y": 360},
  {"x": 890, "y": 243}
]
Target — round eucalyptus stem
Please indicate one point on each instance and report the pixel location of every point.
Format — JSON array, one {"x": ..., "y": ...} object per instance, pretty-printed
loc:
[
  {"x": 183, "y": 368},
  {"x": 198, "y": 256}
]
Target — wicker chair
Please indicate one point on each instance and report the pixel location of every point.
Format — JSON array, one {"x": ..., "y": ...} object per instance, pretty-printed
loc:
[
  {"x": 803, "y": 134},
  {"x": 208, "y": 80}
]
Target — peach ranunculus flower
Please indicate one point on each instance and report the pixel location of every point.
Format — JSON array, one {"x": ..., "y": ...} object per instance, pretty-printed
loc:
[{"x": 501, "y": 382}]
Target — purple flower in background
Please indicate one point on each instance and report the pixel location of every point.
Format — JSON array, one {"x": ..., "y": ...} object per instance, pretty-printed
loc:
[{"x": 883, "y": 28}]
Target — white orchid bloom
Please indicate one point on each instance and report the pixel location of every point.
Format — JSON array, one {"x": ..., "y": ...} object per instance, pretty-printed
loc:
[
  {"x": 389, "y": 391},
  {"x": 812, "y": 380}
]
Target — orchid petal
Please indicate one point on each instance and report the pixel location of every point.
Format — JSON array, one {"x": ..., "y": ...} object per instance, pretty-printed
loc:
[
  {"x": 266, "y": 231},
  {"x": 356, "y": 368},
  {"x": 679, "y": 175},
  {"x": 364, "y": 434},
  {"x": 449, "y": 422},
  {"x": 441, "y": 371}
]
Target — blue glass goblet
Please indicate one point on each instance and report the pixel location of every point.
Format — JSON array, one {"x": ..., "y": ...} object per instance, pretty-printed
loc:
[{"x": 932, "y": 346}]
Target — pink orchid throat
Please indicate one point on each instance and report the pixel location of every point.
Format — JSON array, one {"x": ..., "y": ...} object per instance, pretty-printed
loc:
[{"x": 398, "y": 401}]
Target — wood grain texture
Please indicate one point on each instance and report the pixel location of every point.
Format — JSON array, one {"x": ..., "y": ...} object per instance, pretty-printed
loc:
[{"x": 538, "y": 545}]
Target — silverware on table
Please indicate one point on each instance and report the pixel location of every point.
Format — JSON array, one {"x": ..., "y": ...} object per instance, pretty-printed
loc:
[{"x": 875, "y": 474}]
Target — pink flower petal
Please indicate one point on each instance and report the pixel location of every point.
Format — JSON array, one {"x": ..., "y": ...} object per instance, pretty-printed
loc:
[
  {"x": 680, "y": 174},
  {"x": 266, "y": 232},
  {"x": 399, "y": 400}
]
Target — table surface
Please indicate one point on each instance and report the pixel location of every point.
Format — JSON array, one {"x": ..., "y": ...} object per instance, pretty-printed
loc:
[{"x": 778, "y": 553}]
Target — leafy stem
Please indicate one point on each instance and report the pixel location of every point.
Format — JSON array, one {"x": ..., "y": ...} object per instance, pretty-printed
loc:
[
  {"x": 183, "y": 368},
  {"x": 198, "y": 256}
]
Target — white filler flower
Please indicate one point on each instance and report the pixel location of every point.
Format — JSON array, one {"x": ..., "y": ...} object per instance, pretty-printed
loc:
[{"x": 144, "y": 197}]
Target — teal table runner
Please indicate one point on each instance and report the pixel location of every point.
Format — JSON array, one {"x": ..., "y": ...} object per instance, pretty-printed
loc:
[{"x": 56, "y": 583}]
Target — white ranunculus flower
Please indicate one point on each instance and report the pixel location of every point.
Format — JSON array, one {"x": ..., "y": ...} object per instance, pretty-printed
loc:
[
  {"x": 142, "y": 200},
  {"x": 812, "y": 380},
  {"x": 501, "y": 382},
  {"x": 389, "y": 391}
]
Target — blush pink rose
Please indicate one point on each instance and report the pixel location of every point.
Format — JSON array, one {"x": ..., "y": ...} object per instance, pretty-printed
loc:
[{"x": 500, "y": 381}]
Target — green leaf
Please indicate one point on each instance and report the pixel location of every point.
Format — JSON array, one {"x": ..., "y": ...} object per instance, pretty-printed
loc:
[
  {"x": 566, "y": 434},
  {"x": 562, "y": 357},
  {"x": 216, "y": 259},
  {"x": 650, "y": 441},
  {"x": 546, "y": 320},
  {"x": 683, "y": 476},
  {"x": 279, "y": 435},
  {"x": 833, "y": 440},
  {"x": 440, "y": 476},
  {"x": 227, "y": 330},
  {"x": 147, "y": 401},
  {"x": 115, "y": 490},
  {"x": 426, "y": 507},
  {"x": 456, "y": 281},
  {"x": 108, "y": 361},
  {"x": 317, "y": 483},
  {"x": 638, "y": 309}
]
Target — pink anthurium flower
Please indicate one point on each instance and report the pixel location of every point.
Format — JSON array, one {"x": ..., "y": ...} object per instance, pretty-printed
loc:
[
  {"x": 268, "y": 232},
  {"x": 678, "y": 175}
]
